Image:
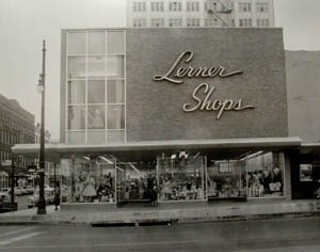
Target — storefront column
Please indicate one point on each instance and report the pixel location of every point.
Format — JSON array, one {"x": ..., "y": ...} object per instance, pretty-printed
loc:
[{"x": 287, "y": 182}]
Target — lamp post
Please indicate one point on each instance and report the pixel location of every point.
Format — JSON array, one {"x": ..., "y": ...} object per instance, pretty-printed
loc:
[{"x": 41, "y": 90}]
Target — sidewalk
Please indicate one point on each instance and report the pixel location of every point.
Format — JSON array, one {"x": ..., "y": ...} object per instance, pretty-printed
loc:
[{"x": 179, "y": 213}]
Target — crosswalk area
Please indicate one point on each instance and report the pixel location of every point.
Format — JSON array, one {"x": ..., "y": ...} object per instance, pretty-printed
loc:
[{"x": 14, "y": 234}]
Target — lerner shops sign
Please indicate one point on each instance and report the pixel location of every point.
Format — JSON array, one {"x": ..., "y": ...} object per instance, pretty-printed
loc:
[{"x": 176, "y": 75}]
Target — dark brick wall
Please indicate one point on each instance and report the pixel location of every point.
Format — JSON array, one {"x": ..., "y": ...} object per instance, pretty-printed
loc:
[{"x": 154, "y": 109}]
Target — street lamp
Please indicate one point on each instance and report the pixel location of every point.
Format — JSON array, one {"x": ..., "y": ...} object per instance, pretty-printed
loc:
[{"x": 41, "y": 90}]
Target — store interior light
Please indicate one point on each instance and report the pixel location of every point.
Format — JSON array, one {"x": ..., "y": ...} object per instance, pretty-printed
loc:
[
  {"x": 134, "y": 168},
  {"x": 105, "y": 159},
  {"x": 252, "y": 155}
]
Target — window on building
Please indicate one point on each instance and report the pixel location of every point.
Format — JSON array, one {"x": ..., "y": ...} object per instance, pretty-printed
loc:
[
  {"x": 209, "y": 5},
  {"x": 245, "y": 22},
  {"x": 192, "y": 6},
  {"x": 96, "y": 90},
  {"x": 157, "y": 6},
  {"x": 244, "y": 7},
  {"x": 157, "y": 22},
  {"x": 193, "y": 22},
  {"x": 262, "y": 22},
  {"x": 211, "y": 22},
  {"x": 262, "y": 7},
  {"x": 139, "y": 6},
  {"x": 175, "y": 22},
  {"x": 139, "y": 22},
  {"x": 175, "y": 6}
]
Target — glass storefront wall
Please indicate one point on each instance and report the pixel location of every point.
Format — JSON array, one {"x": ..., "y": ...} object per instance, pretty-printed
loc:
[
  {"x": 181, "y": 178},
  {"x": 226, "y": 180},
  {"x": 95, "y": 87},
  {"x": 135, "y": 181},
  {"x": 88, "y": 180},
  {"x": 265, "y": 175},
  {"x": 185, "y": 178}
]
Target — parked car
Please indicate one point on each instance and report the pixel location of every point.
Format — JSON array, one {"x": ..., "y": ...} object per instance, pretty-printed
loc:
[
  {"x": 5, "y": 203},
  {"x": 48, "y": 195}
]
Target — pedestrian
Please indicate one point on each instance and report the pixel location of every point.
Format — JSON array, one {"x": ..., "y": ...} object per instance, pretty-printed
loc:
[
  {"x": 154, "y": 195},
  {"x": 57, "y": 196}
]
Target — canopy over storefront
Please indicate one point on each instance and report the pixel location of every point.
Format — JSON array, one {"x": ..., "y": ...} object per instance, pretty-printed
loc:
[{"x": 146, "y": 150}]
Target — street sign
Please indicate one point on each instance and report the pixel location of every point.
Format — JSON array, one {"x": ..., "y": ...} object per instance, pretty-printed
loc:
[{"x": 6, "y": 162}]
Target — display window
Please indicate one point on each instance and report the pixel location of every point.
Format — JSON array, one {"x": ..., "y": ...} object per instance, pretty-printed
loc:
[
  {"x": 96, "y": 87},
  {"x": 136, "y": 181},
  {"x": 88, "y": 180},
  {"x": 181, "y": 177},
  {"x": 265, "y": 174},
  {"x": 226, "y": 180}
]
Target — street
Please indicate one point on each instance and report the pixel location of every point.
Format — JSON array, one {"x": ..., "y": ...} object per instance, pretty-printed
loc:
[{"x": 274, "y": 235}]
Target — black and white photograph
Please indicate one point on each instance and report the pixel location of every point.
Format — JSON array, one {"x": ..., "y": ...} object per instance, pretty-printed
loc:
[{"x": 160, "y": 125}]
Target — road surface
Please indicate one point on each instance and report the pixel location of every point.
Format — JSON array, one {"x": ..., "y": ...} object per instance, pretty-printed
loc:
[{"x": 263, "y": 236}]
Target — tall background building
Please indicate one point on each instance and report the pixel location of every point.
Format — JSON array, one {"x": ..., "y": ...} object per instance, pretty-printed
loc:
[
  {"x": 16, "y": 127},
  {"x": 200, "y": 13}
]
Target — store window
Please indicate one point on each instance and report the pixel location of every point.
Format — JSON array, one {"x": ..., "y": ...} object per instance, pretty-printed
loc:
[
  {"x": 96, "y": 67},
  {"x": 76, "y": 43},
  {"x": 115, "y": 67},
  {"x": 96, "y": 117},
  {"x": 96, "y": 91},
  {"x": 76, "y": 67},
  {"x": 96, "y": 80},
  {"x": 115, "y": 115},
  {"x": 96, "y": 43},
  {"x": 226, "y": 180},
  {"x": 115, "y": 42},
  {"x": 265, "y": 174},
  {"x": 115, "y": 91},
  {"x": 76, "y": 118},
  {"x": 88, "y": 180},
  {"x": 76, "y": 92},
  {"x": 181, "y": 178},
  {"x": 306, "y": 172}
]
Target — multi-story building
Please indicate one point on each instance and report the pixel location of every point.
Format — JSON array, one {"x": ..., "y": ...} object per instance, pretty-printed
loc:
[
  {"x": 200, "y": 13},
  {"x": 16, "y": 127}
]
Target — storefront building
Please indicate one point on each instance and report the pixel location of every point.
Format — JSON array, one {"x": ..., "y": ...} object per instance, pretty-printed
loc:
[{"x": 196, "y": 115}]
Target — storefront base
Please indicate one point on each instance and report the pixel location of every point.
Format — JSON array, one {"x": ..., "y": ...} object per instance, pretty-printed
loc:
[{"x": 90, "y": 207}]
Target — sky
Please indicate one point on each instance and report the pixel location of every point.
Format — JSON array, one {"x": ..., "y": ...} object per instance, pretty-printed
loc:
[{"x": 24, "y": 24}]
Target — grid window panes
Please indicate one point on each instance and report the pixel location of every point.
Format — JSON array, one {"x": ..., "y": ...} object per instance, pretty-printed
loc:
[
  {"x": 95, "y": 87},
  {"x": 192, "y": 6},
  {"x": 175, "y": 22},
  {"x": 262, "y": 7},
  {"x": 244, "y": 7},
  {"x": 139, "y": 6},
  {"x": 157, "y": 6},
  {"x": 157, "y": 22},
  {"x": 175, "y": 6},
  {"x": 139, "y": 22},
  {"x": 193, "y": 22}
]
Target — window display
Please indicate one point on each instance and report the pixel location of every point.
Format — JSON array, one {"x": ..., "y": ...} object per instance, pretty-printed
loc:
[
  {"x": 181, "y": 178},
  {"x": 89, "y": 180},
  {"x": 96, "y": 87},
  {"x": 265, "y": 175},
  {"x": 226, "y": 180}
]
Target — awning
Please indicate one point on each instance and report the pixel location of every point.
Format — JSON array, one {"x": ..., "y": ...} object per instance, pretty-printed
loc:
[{"x": 153, "y": 148}]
